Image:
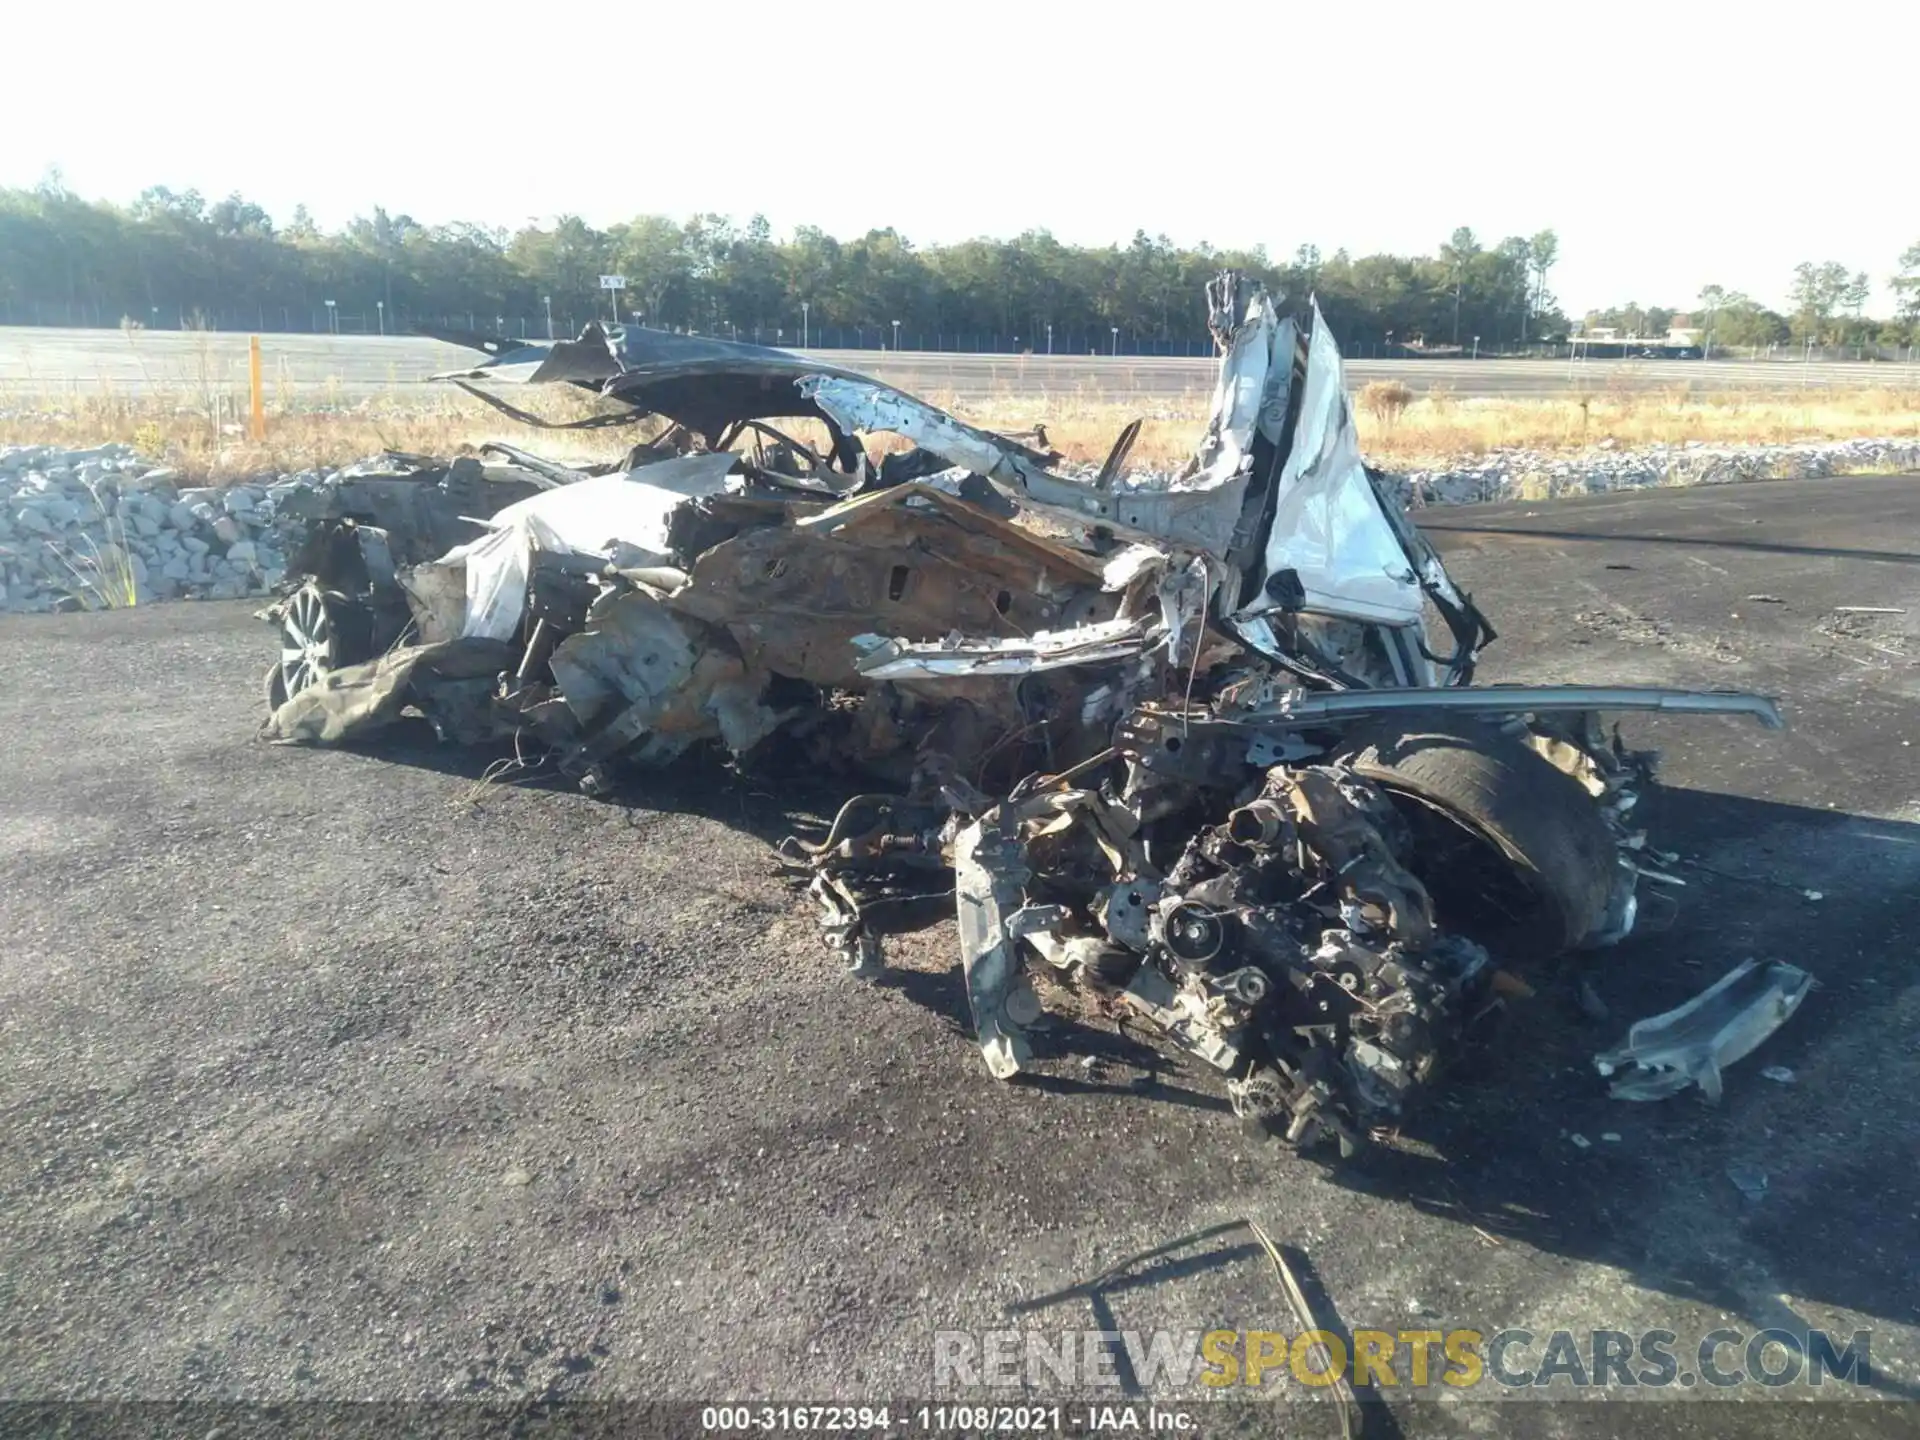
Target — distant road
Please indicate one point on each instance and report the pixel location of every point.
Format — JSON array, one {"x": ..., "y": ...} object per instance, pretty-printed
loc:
[{"x": 48, "y": 362}]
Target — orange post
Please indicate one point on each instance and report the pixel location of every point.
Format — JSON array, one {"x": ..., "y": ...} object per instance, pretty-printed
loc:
[{"x": 258, "y": 427}]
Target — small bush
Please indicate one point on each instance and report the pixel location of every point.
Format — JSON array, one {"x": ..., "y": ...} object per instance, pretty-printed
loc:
[{"x": 1385, "y": 400}]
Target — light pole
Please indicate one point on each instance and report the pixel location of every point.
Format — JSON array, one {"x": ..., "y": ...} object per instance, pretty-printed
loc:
[
  {"x": 333, "y": 319},
  {"x": 1049, "y": 337},
  {"x": 896, "y": 337},
  {"x": 806, "y": 323},
  {"x": 1116, "y": 338},
  {"x": 547, "y": 300},
  {"x": 381, "y": 306}
]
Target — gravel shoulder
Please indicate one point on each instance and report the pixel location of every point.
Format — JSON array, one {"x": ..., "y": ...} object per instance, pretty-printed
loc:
[{"x": 341, "y": 1075}]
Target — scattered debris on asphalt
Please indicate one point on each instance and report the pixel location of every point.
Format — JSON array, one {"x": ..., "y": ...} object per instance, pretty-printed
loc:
[
  {"x": 1692, "y": 1043},
  {"x": 1591, "y": 1005},
  {"x": 1199, "y": 750},
  {"x": 1285, "y": 1274},
  {"x": 1749, "y": 1180},
  {"x": 1310, "y": 1324}
]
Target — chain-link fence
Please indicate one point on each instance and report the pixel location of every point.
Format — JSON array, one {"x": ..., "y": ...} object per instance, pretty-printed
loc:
[{"x": 377, "y": 319}]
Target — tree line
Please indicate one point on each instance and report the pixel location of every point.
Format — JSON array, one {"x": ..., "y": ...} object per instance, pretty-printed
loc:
[
  {"x": 1827, "y": 305},
  {"x": 170, "y": 255}
]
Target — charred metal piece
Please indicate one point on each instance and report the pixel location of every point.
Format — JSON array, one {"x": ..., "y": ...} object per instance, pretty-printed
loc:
[
  {"x": 1193, "y": 933},
  {"x": 1692, "y": 1043},
  {"x": 990, "y": 876},
  {"x": 1300, "y": 707},
  {"x": 1308, "y": 972}
]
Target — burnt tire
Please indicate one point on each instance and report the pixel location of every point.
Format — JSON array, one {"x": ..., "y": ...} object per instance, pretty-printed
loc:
[
  {"x": 321, "y": 631},
  {"x": 1518, "y": 812}
]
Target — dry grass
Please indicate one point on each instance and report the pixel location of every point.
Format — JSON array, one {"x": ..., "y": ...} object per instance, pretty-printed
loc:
[
  {"x": 209, "y": 441},
  {"x": 198, "y": 423},
  {"x": 1443, "y": 427},
  {"x": 1439, "y": 427}
]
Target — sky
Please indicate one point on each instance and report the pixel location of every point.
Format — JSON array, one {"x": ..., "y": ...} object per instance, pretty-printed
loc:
[{"x": 1670, "y": 145}]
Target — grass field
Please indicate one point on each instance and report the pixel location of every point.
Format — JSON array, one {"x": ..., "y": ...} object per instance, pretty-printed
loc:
[{"x": 200, "y": 427}]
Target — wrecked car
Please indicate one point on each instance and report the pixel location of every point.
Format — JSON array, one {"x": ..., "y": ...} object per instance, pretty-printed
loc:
[{"x": 1203, "y": 748}]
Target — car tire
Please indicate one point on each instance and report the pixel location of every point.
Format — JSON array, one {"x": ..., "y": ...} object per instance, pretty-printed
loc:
[
  {"x": 321, "y": 631},
  {"x": 1513, "y": 804}
]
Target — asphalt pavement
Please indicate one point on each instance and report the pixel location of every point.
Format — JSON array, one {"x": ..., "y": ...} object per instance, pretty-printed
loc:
[
  {"x": 338, "y": 1074},
  {"x": 48, "y": 362}
]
